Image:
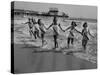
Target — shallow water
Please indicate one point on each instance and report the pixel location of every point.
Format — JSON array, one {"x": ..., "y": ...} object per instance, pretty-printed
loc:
[{"x": 21, "y": 36}]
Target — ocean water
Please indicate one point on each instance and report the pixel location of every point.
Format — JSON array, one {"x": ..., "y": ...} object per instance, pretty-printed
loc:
[{"x": 21, "y": 36}]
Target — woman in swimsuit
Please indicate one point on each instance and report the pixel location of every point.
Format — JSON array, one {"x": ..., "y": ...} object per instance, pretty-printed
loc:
[
  {"x": 30, "y": 27},
  {"x": 35, "y": 29},
  {"x": 85, "y": 37},
  {"x": 54, "y": 26},
  {"x": 71, "y": 29},
  {"x": 42, "y": 30}
]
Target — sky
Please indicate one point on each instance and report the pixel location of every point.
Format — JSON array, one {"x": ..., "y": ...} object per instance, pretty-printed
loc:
[{"x": 78, "y": 11}]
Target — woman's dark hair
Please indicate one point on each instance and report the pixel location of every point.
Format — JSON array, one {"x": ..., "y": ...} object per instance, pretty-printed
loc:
[
  {"x": 29, "y": 19},
  {"x": 39, "y": 21},
  {"x": 33, "y": 20},
  {"x": 73, "y": 23},
  {"x": 85, "y": 24}
]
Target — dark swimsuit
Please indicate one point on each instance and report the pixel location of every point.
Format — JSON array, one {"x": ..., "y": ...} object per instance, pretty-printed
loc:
[{"x": 85, "y": 37}]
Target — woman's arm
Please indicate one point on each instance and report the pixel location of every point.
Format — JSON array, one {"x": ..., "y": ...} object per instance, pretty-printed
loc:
[
  {"x": 90, "y": 33},
  {"x": 61, "y": 27},
  {"x": 50, "y": 26},
  {"x": 44, "y": 26},
  {"x": 78, "y": 31},
  {"x": 25, "y": 23},
  {"x": 67, "y": 28}
]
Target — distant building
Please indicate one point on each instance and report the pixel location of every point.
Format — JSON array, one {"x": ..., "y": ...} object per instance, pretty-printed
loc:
[
  {"x": 44, "y": 13},
  {"x": 64, "y": 14},
  {"x": 53, "y": 11},
  {"x": 18, "y": 12},
  {"x": 24, "y": 12}
]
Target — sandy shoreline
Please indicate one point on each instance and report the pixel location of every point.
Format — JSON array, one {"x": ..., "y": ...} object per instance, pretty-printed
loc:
[{"x": 26, "y": 61}]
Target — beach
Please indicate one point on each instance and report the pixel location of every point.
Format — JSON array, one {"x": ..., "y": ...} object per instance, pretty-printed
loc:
[
  {"x": 30, "y": 57},
  {"x": 26, "y": 61}
]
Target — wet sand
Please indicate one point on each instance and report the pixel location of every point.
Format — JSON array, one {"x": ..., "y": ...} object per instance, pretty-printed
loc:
[{"x": 27, "y": 61}]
